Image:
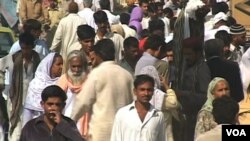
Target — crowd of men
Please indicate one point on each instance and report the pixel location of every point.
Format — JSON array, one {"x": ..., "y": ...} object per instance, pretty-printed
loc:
[{"x": 160, "y": 71}]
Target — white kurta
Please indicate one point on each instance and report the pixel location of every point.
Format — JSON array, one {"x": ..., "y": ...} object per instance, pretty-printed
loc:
[
  {"x": 129, "y": 32},
  {"x": 107, "y": 88},
  {"x": 65, "y": 34},
  {"x": 87, "y": 13}
]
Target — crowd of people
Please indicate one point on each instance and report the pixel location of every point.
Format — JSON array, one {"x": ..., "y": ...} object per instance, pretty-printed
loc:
[{"x": 172, "y": 70}]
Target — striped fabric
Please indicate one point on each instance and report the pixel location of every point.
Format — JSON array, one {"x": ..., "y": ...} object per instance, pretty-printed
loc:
[
  {"x": 237, "y": 29},
  {"x": 177, "y": 40}
]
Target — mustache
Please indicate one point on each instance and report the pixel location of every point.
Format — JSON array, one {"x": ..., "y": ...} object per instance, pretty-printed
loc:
[{"x": 78, "y": 78}]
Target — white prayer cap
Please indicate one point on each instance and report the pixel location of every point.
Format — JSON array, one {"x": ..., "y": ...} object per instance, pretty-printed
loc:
[{"x": 220, "y": 16}]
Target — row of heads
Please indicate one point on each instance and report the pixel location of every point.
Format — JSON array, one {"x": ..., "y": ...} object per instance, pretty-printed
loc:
[{"x": 56, "y": 91}]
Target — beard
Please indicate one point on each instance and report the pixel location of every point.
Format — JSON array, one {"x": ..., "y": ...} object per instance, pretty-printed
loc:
[{"x": 77, "y": 79}]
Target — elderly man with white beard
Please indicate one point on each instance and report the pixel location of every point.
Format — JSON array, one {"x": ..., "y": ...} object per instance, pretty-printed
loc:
[{"x": 71, "y": 82}]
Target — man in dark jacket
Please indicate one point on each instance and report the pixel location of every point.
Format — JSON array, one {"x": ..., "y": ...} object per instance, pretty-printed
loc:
[
  {"x": 195, "y": 78},
  {"x": 220, "y": 67}
]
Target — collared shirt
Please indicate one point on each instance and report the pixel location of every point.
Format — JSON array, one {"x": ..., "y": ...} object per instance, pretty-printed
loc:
[
  {"x": 123, "y": 63},
  {"x": 129, "y": 127},
  {"x": 37, "y": 130}
]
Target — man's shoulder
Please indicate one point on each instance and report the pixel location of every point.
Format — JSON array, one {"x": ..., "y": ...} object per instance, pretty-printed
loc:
[
  {"x": 226, "y": 64},
  {"x": 125, "y": 109},
  {"x": 67, "y": 119},
  {"x": 32, "y": 123},
  {"x": 212, "y": 135}
]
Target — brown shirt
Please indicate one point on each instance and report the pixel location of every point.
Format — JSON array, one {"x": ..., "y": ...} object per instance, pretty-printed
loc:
[{"x": 33, "y": 9}]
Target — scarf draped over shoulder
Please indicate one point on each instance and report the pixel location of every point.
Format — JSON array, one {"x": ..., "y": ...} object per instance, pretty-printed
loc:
[{"x": 16, "y": 89}]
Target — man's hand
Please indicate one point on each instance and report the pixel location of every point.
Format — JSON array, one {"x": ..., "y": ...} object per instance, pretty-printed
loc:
[{"x": 55, "y": 116}]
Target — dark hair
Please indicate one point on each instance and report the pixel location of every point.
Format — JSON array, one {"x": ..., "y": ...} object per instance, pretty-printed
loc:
[
  {"x": 143, "y": 1},
  {"x": 194, "y": 43},
  {"x": 152, "y": 7},
  {"x": 56, "y": 56},
  {"x": 231, "y": 21},
  {"x": 156, "y": 24},
  {"x": 159, "y": 3},
  {"x": 140, "y": 79},
  {"x": 105, "y": 4},
  {"x": 220, "y": 7},
  {"x": 100, "y": 17},
  {"x": 154, "y": 42},
  {"x": 53, "y": 91},
  {"x": 85, "y": 32},
  {"x": 224, "y": 36},
  {"x": 130, "y": 8},
  {"x": 27, "y": 39},
  {"x": 213, "y": 47},
  {"x": 169, "y": 11},
  {"x": 225, "y": 110},
  {"x": 130, "y": 42},
  {"x": 124, "y": 18},
  {"x": 73, "y": 7},
  {"x": 105, "y": 48},
  {"x": 133, "y": 27},
  {"x": 31, "y": 24},
  {"x": 144, "y": 33}
]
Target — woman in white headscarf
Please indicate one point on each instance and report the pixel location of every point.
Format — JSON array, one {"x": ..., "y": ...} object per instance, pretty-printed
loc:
[
  {"x": 47, "y": 73},
  {"x": 164, "y": 101},
  {"x": 218, "y": 87}
]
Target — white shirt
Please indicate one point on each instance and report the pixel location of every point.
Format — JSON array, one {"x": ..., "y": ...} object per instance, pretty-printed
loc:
[
  {"x": 129, "y": 127},
  {"x": 87, "y": 14},
  {"x": 144, "y": 22},
  {"x": 214, "y": 134},
  {"x": 112, "y": 18},
  {"x": 65, "y": 34},
  {"x": 129, "y": 32},
  {"x": 210, "y": 34},
  {"x": 167, "y": 25}
]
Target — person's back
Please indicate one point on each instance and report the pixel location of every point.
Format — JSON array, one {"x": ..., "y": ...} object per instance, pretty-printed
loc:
[
  {"x": 225, "y": 110},
  {"x": 87, "y": 13},
  {"x": 222, "y": 68},
  {"x": 30, "y": 9},
  {"x": 150, "y": 56},
  {"x": 65, "y": 34}
]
